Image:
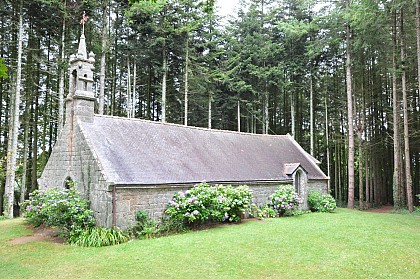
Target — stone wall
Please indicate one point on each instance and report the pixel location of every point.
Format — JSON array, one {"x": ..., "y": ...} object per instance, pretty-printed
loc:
[
  {"x": 150, "y": 199},
  {"x": 73, "y": 158},
  {"x": 153, "y": 199}
]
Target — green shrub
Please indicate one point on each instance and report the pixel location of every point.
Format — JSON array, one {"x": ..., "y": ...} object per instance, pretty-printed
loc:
[
  {"x": 321, "y": 202},
  {"x": 262, "y": 212},
  {"x": 145, "y": 227},
  {"x": 169, "y": 226},
  {"x": 64, "y": 209},
  {"x": 285, "y": 200},
  {"x": 205, "y": 203},
  {"x": 98, "y": 237}
]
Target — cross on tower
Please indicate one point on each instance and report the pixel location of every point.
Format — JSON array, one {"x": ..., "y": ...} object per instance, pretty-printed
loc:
[{"x": 83, "y": 21}]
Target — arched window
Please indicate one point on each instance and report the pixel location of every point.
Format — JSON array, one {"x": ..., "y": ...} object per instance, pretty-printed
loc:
[
  {"x": 298, "y": 181},
  {"x": 68, "y": 183},
  {"x": 85, "y": 83},
  {"x": 73, "y": 82}
]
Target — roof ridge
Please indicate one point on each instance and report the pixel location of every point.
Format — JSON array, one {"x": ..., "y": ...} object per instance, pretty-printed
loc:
[{"x": 186, "y": 127}]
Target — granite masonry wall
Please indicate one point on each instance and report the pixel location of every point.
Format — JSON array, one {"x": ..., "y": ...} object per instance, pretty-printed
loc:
[
  {"x": 72, "y": 157},
  {"x": 153, "y": 199}
]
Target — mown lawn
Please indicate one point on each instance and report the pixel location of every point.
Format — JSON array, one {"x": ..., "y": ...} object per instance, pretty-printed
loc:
[{"x": 346, "y": 244}]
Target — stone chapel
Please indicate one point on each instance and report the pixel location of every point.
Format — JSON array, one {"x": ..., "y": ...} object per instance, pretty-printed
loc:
[{"x": 123, "y": 165}]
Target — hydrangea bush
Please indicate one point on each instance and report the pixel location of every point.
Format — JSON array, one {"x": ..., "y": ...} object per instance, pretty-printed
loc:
[
  {"x": 285, "y": 200},
  {"x": 64, "y": 209},
  {"x": 204, "y": 203},
  {"x": 321, "y": 203}
]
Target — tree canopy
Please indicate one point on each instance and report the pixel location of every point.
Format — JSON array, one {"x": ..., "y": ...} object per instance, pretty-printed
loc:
[{"x": 276, "y": 67}]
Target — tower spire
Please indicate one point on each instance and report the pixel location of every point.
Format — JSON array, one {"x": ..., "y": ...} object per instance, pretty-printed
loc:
[
  {"x": 82, "y": 43},
  {"x": 80, "y": 101}
]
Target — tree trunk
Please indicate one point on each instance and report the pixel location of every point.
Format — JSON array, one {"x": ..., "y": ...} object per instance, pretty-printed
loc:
[
  {"x": 395, "y": 115},
  {"x": 350, "y": 203},
  {"x": 133, "y": 98},
  {"x": 360, "y": 130},
  {"x": 61, "y": 80},
  {"x": 367, "y": 187},
  {"x": 103, "y": 58},
  {"x": 292, "y": 114},
  {"x": 209, "y": 110},
  {"x": 149, "y": 94},
  {"x": 128, "y": 89},
  {"x": 418, "y": 42},
  {"x": 186, "y": 81},
  {"x": 13, "y": 137},
  {"x": 25, "y": 147},
  {"x": 328, "y": 146},
  {"x": 165, "y": 72},
  {"x": 239, "y": 115},
  {"x": 311, "y": 114},
  {"x": 408, "y": 180}
]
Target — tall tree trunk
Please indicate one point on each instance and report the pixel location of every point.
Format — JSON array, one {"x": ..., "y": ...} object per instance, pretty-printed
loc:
[
  {"x": 34, "y": 174},
  {"x": 186, "y": 81},
  {"x": 133, "y": 98},
  {"x": 239, "y": 115},
  {"x": 311, "y": 114},
  {"x": 408, "y": 180},
  {"x": 25, "y": 146},
  {"x": 104, "y": 39},
  {"x": 418, "y": 42},
  {"x": 149, "y": 94},
  {"x": 396, "y": 114},
  {"x": 350, "y": 203},
  {"x": 360, "y": 130},
  {"x": 61, "y": 78},
  {"x": 13, "y": 137},
  {"x": 292, "y": 114},
  {"x": 209, "y": 110},
  {"x": 164, "y": 75},
  {"x": 328, "y": 145},
  {"x": 128, "y": 88},
  {"x": 266, "y": 117},
  {"x": 367, "y": 189}
]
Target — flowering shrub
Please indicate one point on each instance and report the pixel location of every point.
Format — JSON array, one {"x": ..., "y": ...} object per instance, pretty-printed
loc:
[
  {"x": 232, "y": 202},
  {"x": 64, "y": 209},
  {"x": 285, "y": 200},
  {"x": 321, "y": 203},
  {"x": 209, "y": 203},
  {"x": 262, "y": 212}
]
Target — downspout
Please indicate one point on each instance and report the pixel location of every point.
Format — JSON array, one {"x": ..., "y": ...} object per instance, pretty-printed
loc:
[{"x": 114, "y": 206}]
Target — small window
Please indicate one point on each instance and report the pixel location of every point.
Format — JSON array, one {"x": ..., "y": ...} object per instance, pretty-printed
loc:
[
  {"x": 297, "y": 182},
  {"x": 85, "y": 83},
  {"x": 68, "y": 183}
]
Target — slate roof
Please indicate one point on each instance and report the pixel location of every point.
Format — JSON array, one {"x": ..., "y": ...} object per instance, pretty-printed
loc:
[
  {"x": 141, "y": 152},
  {"x": 289, "y": 169}
]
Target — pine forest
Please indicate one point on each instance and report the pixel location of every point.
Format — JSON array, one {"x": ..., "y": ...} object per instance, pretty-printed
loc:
[{"x": 341, "y": 77}]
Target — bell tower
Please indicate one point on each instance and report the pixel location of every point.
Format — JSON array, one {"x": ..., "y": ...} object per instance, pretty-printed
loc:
[{"x": 80, "y": 101}]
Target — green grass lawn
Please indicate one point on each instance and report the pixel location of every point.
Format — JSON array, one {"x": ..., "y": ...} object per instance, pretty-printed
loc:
[{"x": 346, "y": 244}]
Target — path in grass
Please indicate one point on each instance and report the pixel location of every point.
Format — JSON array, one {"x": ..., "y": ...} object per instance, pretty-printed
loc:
[
  {"x": 382, "y": 209},
  {"x": 41, "y": 233},
  {"x": 346, "y": 244}
]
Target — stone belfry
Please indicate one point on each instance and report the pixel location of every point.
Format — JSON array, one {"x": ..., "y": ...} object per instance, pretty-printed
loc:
[{"x": 80, "y": 100}]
